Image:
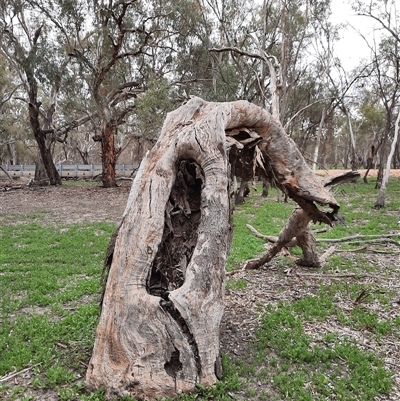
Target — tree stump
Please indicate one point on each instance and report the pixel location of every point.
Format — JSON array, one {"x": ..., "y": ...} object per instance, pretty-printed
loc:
[{"x": 158, "y": 333}]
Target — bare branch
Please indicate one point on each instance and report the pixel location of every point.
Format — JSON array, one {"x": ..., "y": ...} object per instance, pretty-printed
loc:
[{"x": 239, "y": 51}]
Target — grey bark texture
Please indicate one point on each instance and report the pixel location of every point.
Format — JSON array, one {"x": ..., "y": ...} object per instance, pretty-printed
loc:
[
  {"x": 298, "y": 232},
  {"x": 158, "y": 333}
]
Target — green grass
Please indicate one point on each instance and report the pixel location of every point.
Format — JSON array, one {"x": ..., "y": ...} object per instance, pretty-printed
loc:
[
  {"x": 260, "y": 213},
  {"x": 352, "y": 373},
  {"x": 49, "y": 292},
  {"x": 45, "y": 266},
  {"x": 49, "y": 281},
  {"x": 284, "y": 355}
]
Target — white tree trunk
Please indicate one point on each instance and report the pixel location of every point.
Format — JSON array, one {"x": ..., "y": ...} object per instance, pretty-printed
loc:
[
  {"x": 318, "y": 142},
  {"x": 354, "y": 162},
  {"x": 380, "y": 202}
]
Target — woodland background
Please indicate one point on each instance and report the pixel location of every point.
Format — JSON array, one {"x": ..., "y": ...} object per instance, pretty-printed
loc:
[{"x": 92, "y": 81}]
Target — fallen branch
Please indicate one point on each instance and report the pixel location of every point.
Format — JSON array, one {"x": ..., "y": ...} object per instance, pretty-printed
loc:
[
  {"x": 327, "y": 253},
  {"x": 371, "y": 241},
  {"x": 12, "y": 375},
  {"x": 232, "y": 272},
  {"x": 6, "y": 173},
  {"x": 355, "y": 239},
  {"x": 361, "y": 248},
  {"x": 386, "y": 252},
  {"x": 343, "y": 275}
]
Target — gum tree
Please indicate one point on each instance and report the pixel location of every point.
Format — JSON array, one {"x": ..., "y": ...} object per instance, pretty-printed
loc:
[
  {"x": 385, "y": 77},
  {"x": 25, "y": 46}
]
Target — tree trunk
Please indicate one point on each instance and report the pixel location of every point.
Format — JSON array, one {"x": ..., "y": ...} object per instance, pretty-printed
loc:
[
  {"x": 266, "y": 184},
  {"x": 12, "y": 152},
  {"x": 108, "y": 155},
  {"x": 158, "y": 333},
  {"x": 383, "y": 151},
  {"x": 354, "y": 159},
  {"x": 45, "y": 151},
  {"x": 242, "y": 192},
  {"x": 40, "y": 171},
  {"x": 370, "y": 159},
  {"x": 318, "y": 140},
  {"x": 380, "y": 202}
]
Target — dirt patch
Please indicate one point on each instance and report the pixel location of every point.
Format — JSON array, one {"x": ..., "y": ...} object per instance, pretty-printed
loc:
[{"x": 64, "y": 205}]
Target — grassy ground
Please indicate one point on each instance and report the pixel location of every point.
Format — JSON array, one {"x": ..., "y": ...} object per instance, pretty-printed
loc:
[{"x": 327, "y": 344}]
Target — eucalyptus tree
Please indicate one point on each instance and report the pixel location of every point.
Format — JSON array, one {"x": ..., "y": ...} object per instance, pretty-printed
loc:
[
  {"x": 385, "y": 78},
  {"x": 8, "y": 132},
  {"x": 276, "y": 45},
  {"x": 29, "y": 50},
  {"x": 119, "y": 47}
]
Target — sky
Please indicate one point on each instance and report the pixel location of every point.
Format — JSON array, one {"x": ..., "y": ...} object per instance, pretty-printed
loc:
[{"x": 352, "y": 47}]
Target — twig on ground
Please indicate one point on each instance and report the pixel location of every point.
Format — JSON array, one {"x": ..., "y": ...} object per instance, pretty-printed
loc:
[
  {"x": 340, "y": 275},
  {"x": 361, "y": 248},
  {"x": 350, "y": 240},
  {"x": 9, "y": 376},
  {"x": 360, "y": 238},
  {"x": 327, "y": 253}
]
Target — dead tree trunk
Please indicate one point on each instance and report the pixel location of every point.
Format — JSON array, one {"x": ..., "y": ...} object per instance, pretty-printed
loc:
[
  {"x": 297, "y": 229},
  {"x": 158, "y": 333}
]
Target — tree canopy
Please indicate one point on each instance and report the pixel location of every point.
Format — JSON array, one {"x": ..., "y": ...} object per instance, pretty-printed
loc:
[{"x": 93, "y": 81}]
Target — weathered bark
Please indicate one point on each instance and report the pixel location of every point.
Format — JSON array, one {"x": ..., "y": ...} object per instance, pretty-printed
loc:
[
  {"x": 297, "y": 231},
  {"x": 108, "y": 155},
  {"x": 158, "y": 333},
  {"x": 296, "y": 227},
  {"x": 40, "y": 136}
]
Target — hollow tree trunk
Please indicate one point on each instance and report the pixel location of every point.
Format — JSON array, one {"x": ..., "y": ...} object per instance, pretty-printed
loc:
[{"x": 158, "y": 332}]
